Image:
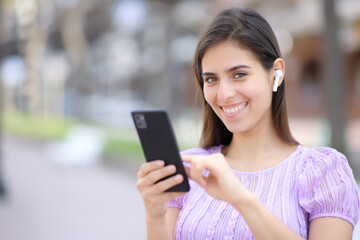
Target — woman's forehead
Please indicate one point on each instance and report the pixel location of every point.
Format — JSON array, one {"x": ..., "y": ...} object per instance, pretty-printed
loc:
[{"x": 226, "y": 55}]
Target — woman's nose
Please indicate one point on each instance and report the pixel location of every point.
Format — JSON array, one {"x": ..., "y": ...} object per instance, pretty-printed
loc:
[{"x": 226, "y": 91}]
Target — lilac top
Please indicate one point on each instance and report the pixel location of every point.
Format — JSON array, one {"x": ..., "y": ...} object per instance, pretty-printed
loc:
[{"x": 308, "y": 184}]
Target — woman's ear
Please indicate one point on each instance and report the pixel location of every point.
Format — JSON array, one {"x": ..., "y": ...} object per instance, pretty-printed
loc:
[{"x": 279, "y": 64}]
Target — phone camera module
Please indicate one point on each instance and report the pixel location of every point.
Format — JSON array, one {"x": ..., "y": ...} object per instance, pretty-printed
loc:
[{"x": 140, "y": 121}]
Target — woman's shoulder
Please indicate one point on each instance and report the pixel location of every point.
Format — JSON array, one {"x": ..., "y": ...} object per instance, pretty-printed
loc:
[
  {"x": 321, "y": 151},
  {"x": 323, "y": 164},
  {"x": 202, "y": 151},
  {"x": 321, "y": 157},
  {"x": 327, "y": 186}
]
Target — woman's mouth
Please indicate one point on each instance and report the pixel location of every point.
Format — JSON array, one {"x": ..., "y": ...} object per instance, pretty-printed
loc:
[{"x": 234, "y": 108}]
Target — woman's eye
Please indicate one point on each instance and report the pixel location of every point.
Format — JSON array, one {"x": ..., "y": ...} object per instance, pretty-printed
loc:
[
  {"x": 239, "y": 75},
  {"x": 210, "y": 79}
]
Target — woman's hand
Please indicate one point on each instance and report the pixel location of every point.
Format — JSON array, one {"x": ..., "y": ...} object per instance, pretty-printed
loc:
[
  {"x": 153, "y": 193},
  {"x": 221, "y": 182}
]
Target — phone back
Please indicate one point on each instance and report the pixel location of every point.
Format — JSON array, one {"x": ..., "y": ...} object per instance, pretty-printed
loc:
[{"x": 158, "y": 141}]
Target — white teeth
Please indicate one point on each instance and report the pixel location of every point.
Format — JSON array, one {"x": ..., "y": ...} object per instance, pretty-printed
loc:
[{"x": 235, "y": 109}]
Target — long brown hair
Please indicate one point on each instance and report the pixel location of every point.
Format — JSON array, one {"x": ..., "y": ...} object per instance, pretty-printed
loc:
[{"x": 248, "y": 28}]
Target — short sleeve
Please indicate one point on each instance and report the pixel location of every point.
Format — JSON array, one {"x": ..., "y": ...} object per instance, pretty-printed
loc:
[
  {"x": 327, "y": 186},
  {"x": 176, "y": 202}
]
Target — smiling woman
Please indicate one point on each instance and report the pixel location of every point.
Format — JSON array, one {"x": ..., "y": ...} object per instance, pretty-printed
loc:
[
  {"x": 250, "y": 179},
  {"x": 258, "y": 43},
  {"x": 239, "y": 89}
]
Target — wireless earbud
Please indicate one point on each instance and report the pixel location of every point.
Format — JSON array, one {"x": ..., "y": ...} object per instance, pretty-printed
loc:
[{"x": 278, "y": 74}]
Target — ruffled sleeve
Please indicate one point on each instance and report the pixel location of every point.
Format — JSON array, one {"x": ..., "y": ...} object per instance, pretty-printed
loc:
[
  {"x": 176, "y": 202},
  {"x": 327, "y": 186}
]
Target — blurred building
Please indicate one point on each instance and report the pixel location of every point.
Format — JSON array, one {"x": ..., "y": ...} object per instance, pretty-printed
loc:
[
  {"x": 99, "y": 59},
  {"x": 300, "y": 26}
]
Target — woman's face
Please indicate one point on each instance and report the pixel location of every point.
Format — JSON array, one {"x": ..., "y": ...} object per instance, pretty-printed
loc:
[{"x": 237, "y": 87}]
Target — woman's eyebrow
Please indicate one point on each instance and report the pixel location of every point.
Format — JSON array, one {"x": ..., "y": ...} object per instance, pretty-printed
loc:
[
  {"x": 208, "y": 74},
  {"x": 236, "y": 67},
  {"x": 227, "y": 70}
]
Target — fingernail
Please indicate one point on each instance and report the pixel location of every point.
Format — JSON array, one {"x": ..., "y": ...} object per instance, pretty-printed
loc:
[
  {"x": 160, "y": 163},
  {"x": 171, "y": 168},
  {"x": 178, "y": 178}
]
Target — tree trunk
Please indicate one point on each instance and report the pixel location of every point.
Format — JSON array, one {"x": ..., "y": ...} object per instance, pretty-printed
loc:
[
  {"x": 334, "y": 79},
  {"x": 2, "y": 186}
]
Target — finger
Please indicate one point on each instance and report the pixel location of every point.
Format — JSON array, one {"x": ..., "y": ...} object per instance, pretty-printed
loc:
[
  {"x": 196, "y": 172},
  {"x": 164, "y": 185},
  {"x": 147, "y": 167},
  {"x": 154, "y": 176},
  {"x": 157, "y": 175},
  {"x": 217, "y": 163},
  {"x": 187, "y": 171},
  {"x": 187, "y": 158},
  {"x": 157, "y": 191},
  {"x": 202, "y": 181}
]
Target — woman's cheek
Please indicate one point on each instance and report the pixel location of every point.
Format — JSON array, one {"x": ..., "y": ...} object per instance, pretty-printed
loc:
[{"x": 207, "y": 96}]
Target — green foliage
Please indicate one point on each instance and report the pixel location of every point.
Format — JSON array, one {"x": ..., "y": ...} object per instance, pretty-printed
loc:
[
  {"x": 38, "y": 127},
  {"x": 51, "y": 127},
  {"x": 117, "y": 146}
]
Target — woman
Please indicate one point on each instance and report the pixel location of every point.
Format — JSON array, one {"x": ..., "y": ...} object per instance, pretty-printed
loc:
[{"x": 251, "y": 179}]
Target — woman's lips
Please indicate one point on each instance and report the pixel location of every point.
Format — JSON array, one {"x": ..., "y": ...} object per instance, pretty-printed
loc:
[{"x": 234, "y": 108}]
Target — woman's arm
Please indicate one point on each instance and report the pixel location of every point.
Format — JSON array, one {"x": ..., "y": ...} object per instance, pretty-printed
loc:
[
  {"x": 171, "y": 217},
  {"x": 265, "y": 225},
  {"x": 331, "y": 228},
  {"x": 157, "y": 229},
  {"x": 262, "y": 222},
  {"x": 155, "y": 198},
  {"x": 163, "y": 228}
]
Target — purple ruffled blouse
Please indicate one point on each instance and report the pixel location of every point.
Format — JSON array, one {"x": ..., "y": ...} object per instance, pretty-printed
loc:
[{"x": 308, "y": 184}]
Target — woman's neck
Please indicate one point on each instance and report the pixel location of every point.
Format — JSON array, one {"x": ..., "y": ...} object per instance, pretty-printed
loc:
[{"x": 256, "y": 151}]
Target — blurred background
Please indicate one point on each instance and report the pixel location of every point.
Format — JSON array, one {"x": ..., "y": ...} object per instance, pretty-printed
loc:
[{"x": 72, "y": 70}]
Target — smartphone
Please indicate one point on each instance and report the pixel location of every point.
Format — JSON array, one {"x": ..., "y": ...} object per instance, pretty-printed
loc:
[{"x": 158, "y": 142}]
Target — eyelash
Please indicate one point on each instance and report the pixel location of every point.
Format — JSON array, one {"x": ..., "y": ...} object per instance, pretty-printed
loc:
[
  {"x": 242, "y": 74},
  {"x": 214, "y": 79},
  {"x": 209, "y": 79}
]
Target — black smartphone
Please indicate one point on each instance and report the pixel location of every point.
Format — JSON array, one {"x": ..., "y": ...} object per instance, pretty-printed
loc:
[{"x": 158, "y": 141}]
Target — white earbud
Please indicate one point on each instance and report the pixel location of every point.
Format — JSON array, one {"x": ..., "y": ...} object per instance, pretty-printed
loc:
[{"x": 278, "y": 74}]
